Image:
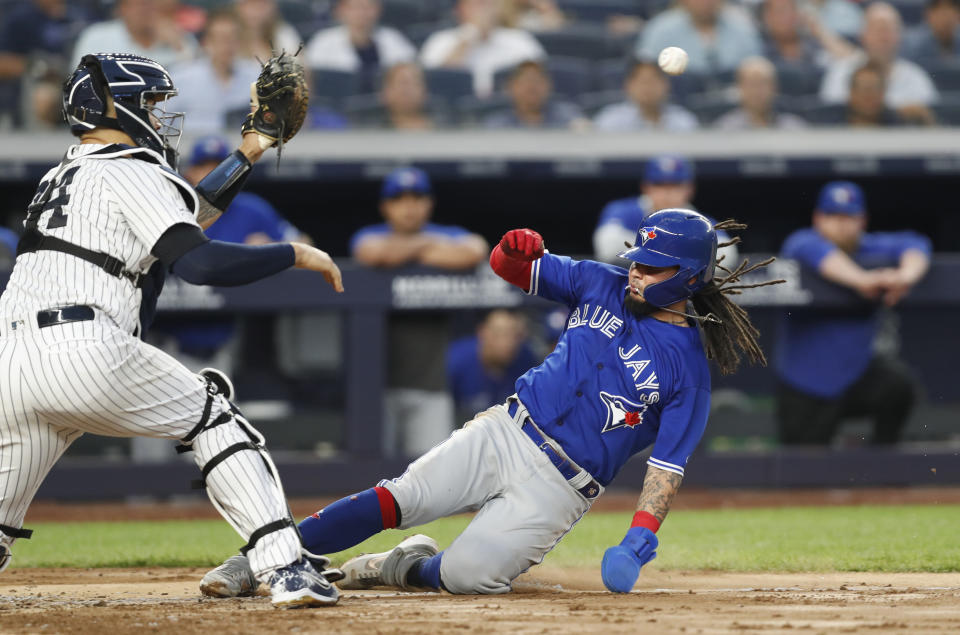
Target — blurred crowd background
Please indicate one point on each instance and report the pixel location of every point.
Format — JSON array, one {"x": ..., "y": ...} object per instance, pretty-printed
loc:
[
  {"x": 875, "y": 372},
  {"x": 580, "y": 64}
]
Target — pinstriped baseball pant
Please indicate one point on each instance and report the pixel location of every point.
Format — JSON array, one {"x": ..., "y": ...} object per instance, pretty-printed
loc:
[{"x": 61, "y": 381}]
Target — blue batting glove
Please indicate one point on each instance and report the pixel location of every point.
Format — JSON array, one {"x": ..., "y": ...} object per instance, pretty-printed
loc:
[{"x": 621, "y": 564}]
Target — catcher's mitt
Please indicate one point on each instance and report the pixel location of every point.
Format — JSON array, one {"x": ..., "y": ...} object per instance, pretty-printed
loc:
[{"x": 278, "y": 101}]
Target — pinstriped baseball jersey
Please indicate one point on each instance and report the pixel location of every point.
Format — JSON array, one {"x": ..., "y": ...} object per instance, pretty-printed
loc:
[
  {"x": 115, "y": 203},
  {"x": 60, "y": 380}
]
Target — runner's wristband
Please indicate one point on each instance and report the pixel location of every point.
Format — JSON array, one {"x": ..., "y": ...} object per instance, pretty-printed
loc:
[{"x": 645, "y": 519}]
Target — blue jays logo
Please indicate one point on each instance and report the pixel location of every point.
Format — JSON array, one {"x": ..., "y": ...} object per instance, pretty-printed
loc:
[
  {"x": 646, "y": 233},
  {"x": 842, "y": 195},
  {"x": 621, "y": 412}
]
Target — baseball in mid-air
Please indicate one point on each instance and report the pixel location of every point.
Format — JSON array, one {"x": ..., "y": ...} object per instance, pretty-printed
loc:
[{"x": 673, "y": 60}]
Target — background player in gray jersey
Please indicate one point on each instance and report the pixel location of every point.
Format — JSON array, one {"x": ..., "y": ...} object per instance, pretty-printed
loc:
[{"x": 104, "y": 226}]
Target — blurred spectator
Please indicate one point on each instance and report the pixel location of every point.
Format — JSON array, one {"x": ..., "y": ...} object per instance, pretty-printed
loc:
[
  {"x": 479, "y": 45},
  {"x": 908, "y": 87},
  {"x": 716, "y": 36},
  {"x": 404, "y": 97},
  {"x": 865, "y": 106},
  {"x": 34, "y": 43},
  {"x": 844, "y": 17},
  {"x": 794, "y": 37},
  {"x": 359, "y": 43},
  {"x": 419, "y": 410},
  {"x": 249, "y": 219},
  {"x": 219, "y": 81},
  {"x": 265, "y": 30},
  {"x": 530, "y": 89},
  {"x": 668, "y": 182},
  {"x": 532, "y": 15},
  {"x": 139, "y": 29},
  {"x": 45, "y": 109},
  {"x": 647, "y": 107},
  {"x": 828, "y": 366},
  {"x": 938, "y": 38},
  {"x": 757, "y": 89},
  {"x": 184, "y": 17},
  {"x": 482, "y": 368},
  {"x": 8, "y": 248}
]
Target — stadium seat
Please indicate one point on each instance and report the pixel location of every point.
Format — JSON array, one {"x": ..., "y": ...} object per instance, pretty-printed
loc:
[
  {"x": 473, "y": 110},
  {"x": 300, "y": 15},
  {"x": 362, "y": 110},
  {"x": 401, "y": 14},
  {"x": 332, "y": 87},
  {"x": 820, "y": 114},
  {"x": 610, "y": 74},
  {"x": 945, "y": 75},
  {"x": 911, "y": 11},
  {"x": 571, "y": 76},
  {"x": 584, "y": 41},
  {"x": 418, "y": 33},
  {"x": 600, "y": 10},
  {"x": 687, "y": 84},
  {"x": 947, "y": 111},
  {"x": 798, "y": 81},
  {"x": 708, "y": 107},
  {"x": 449, "y": 83},
  {"x": 594, "y": 102}
]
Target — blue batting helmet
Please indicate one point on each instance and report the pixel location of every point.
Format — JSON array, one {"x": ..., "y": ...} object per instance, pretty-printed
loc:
[
  {"x": 675, "y": 237},
  {"x": 138, "y": 88}
]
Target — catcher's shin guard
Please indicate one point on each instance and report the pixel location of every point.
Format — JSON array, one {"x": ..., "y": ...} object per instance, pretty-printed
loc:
[{"x": 242, "y": 483}]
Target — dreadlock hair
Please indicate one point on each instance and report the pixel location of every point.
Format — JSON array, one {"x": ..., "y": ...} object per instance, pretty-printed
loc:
[{"x": 727, "y": 330}]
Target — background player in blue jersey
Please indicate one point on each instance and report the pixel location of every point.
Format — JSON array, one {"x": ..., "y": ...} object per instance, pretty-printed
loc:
[
  {"x": 8, "y": 246},
  {"x": 418, "y": 409},
  {"x": 826, "y": 358},
  {"x": 482, "y": 368},
  {"x": 668, "y": 182},
  {"x": 630, "y": 370}
]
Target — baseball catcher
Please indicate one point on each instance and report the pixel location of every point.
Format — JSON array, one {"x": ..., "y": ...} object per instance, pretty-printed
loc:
[
  {"x": 105, "y": 226},
  {"x": 630, "y": 370}
]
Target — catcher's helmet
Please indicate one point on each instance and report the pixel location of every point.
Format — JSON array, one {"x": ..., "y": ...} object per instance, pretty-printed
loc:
[
  {"x": 132, "y": 81},
  {"x": 678, "y": 237}
]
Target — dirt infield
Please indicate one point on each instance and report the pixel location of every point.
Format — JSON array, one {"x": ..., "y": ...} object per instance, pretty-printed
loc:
[{"x": 122, "y": 601}]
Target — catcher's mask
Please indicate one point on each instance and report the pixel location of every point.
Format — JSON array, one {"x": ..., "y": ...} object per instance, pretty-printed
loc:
[
  {"x": 139, "y": 88},
  {"x": 675, "y": 237}
]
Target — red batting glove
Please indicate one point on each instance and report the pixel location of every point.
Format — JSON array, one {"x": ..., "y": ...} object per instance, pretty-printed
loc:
[{"x": 522, "y": 244}]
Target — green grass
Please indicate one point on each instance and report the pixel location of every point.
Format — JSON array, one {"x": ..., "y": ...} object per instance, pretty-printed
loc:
[{"x": 903, "y": 538}]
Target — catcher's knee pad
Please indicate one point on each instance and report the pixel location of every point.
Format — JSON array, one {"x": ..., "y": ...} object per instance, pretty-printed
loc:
[
  {"x": 7, "y": 535},
  {"x": 218, "y": 382},
  {"x": 477, "y": 568}
]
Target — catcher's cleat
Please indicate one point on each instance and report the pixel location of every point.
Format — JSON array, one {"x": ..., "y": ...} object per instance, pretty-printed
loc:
[
  {"x": 389, "y": 568},
  {"x": 299, "y": 585},
  {"x": 232, "y": 579}
]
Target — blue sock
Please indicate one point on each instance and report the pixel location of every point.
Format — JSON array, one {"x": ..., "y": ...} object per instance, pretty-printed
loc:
[
  {"x": 426, "y": 572},
  {"x": 343, "y": 524}
]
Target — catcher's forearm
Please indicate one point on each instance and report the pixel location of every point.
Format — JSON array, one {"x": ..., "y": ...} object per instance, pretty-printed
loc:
[
  {"x": 659, "y": 488},
  {"x": 218, "y": 188}
]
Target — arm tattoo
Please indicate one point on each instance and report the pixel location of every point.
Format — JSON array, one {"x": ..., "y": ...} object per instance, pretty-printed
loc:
[
  {"x": 207, "y": 213},
  {"x": 659, "y": 488}
]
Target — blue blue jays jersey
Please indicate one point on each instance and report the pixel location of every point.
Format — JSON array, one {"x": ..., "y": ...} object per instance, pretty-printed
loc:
[
  {"x": 842, "y": 338},
  {"x": 615, "y": 383}
]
